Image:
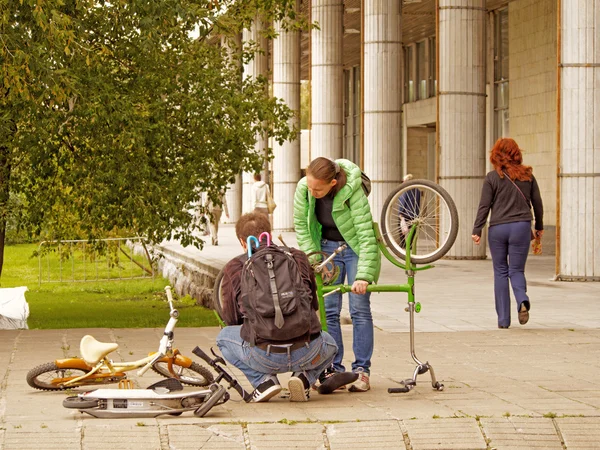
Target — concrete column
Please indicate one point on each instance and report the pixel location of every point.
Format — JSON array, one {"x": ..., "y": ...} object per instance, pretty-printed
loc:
[
  {"x": 579, "y": 167},
  {"x": 327, "y": 77},
  {"x": 286, "y": 161},
  {"x": 382, "y": 100},
  {"x": 233, "y": 195},
  {"x": 461, "y": 108},
  {"x": 253, "y": 69}
]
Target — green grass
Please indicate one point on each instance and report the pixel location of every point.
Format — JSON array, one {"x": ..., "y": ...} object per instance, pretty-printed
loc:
[{"x": 134, "y": 303}]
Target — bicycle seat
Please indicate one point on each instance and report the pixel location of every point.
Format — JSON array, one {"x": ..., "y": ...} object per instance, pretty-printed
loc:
[{"x": 93, "y": 351}]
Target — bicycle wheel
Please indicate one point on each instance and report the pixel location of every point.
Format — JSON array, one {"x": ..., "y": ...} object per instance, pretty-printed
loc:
[
  {"x": 195, "y": 375},
  {"x": 217, "y": 294},
  {"x": 430, "y": 208},
  {"x": 49, "y": 377},
  {"x": 77, "y": 402}
]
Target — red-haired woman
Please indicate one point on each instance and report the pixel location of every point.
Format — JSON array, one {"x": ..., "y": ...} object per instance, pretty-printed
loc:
[{"x": 510, "y": 190}]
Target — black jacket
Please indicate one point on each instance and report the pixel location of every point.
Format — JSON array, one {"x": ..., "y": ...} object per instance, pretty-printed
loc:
[{"x": 507, "y": 203}]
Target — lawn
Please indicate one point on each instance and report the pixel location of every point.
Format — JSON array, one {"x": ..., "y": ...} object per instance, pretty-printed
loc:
[{"x": 118, "y": 303}]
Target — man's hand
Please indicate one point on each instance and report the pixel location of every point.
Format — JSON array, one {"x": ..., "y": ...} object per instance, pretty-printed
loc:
[
  {"x": 360, "y": 287},
  {"x": 476, "y": 239}
]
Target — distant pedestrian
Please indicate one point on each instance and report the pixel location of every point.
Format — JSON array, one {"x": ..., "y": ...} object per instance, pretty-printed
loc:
[
  {"x": 216, "y": 211},
  {"x": 409, "y": 208},
  {"x": 260, "y": 193},
  {"x": 510, "y": 191}
]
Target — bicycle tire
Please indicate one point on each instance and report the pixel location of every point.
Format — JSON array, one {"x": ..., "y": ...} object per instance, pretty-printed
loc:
[
  {"x": 435, "y": 215},
  {"x": 76, "y": 402},
  {"x": 54, "y": 375},
  {"x": 217, "y": 299},
  {"x": 187, "y": 375}
]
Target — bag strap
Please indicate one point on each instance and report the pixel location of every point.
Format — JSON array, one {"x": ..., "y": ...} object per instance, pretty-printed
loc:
[
  {"x": 279, "y": 321},
  {"x": 518, "y": 189}
]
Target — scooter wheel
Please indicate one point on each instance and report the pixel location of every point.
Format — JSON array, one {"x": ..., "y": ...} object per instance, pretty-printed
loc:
[
  {"x": 211, "y": 401},
  {"x": 76, "y": 402}
]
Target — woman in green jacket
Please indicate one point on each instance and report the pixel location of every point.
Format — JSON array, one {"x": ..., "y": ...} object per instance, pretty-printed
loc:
[{"x": 330, "y": 209}]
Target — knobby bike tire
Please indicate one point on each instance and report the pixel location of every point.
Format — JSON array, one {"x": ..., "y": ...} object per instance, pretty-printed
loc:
[
  {"x": 76, "y": 402},
  {"x": 195, "y": 375},
  {"x": 50, "y": 371},
  {"x": 390, "y": 222}
]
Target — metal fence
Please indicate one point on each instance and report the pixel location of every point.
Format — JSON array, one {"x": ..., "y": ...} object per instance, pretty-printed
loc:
[{"x": 101, "y": 260}]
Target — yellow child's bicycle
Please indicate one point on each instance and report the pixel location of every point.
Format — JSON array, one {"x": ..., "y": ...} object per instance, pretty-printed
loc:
[{"x": 95, "y": 368}]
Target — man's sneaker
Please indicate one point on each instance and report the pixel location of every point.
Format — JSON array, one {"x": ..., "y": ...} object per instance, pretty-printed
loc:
[
  {"x": 299, "y": 387},
  {"x": 326, "y": 375},
  {"x": 265, "y": 390},
  {"x": 335, "y": 381},
  {"x": 362, "y": 384}
]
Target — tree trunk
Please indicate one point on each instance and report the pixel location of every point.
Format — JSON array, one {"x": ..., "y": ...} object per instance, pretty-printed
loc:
[{"x": 5, "y": 167}]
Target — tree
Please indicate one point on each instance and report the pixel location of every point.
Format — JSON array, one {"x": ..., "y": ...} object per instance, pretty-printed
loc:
[{"x": 114, "y": 115}]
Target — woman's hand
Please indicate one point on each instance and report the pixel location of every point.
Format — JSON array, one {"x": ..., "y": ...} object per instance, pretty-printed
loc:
[
  {"x": 539, "y": 234},
  {"x": 476, "y": 239},
  {"x": 360, "y": 287}
]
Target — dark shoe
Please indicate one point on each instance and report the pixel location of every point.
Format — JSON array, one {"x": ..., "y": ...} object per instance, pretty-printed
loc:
[
  {"x": 299, "y": 388},
  {"x": 503, "y": 326},
  {"x": 523, "y": 314},
  {"x": 336, "y": 380},
  {"x": 265, "y": 390}
]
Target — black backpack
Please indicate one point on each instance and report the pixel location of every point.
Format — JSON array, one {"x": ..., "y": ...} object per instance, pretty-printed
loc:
[{"x": 277, "y": 303}]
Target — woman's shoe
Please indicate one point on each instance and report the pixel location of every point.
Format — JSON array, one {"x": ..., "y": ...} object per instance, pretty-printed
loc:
[
  {"x": 503, "y": 326},
  {"x": 523, "y": 314}
]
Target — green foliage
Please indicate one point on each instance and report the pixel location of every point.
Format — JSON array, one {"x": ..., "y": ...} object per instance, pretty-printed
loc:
[
  {"x": 111, "y": 304},
  {"x": 114, "y": 115}
]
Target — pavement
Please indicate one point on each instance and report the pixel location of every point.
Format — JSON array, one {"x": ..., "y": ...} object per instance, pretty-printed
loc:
[{"x": 528, "y": 387}]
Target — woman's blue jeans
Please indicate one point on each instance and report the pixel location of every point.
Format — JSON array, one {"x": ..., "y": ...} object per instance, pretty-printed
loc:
[
  {"x": 257, "y": 364},
  {"x": 509, "y": 246},
  {"x": 360, "y": 312}
]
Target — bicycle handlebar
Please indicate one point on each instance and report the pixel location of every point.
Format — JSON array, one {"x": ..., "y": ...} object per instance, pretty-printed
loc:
[
  {"x": 169, "y": 297},
  {"x": 320, "y": 267},
  {"x": 223, "y": 374},
  {"x": 344, "y": 288}
]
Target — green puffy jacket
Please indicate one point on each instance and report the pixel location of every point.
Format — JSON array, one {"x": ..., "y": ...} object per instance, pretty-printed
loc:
[{"x": 352, "y": 215}]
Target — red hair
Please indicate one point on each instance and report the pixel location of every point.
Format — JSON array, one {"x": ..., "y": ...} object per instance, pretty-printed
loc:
[{"x": 506, "y": 157}]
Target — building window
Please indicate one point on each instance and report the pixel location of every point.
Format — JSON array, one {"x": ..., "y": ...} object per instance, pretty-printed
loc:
[
  {"x": 501, "y": 116},
  {"x": 409, "y": 75},
  {"x": 352, "y": 109},
  {"x": 432, "y": 68},
  {"x": 422, "y": 70},
  {"x": 356, "y": 108}
]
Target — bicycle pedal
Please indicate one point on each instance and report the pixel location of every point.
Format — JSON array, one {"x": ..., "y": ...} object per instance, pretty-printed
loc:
[{"x": 126, "y": 384}]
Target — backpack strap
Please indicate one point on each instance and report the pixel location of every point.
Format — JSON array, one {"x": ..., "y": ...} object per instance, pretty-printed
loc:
[{"x": 279, "y": 321}]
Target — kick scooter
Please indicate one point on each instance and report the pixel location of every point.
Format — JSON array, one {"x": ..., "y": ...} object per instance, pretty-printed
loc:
[{"x": 165, "y": 397}]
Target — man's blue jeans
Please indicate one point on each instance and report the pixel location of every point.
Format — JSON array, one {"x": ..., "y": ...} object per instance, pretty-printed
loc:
[
  {"x": 509, "y": 246},
  {"x": 360, "y": 312},
  {"x": 256, "y": 364}
]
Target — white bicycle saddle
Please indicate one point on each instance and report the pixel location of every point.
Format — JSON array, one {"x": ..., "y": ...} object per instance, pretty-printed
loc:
[{"x": 93, "y": 351}]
